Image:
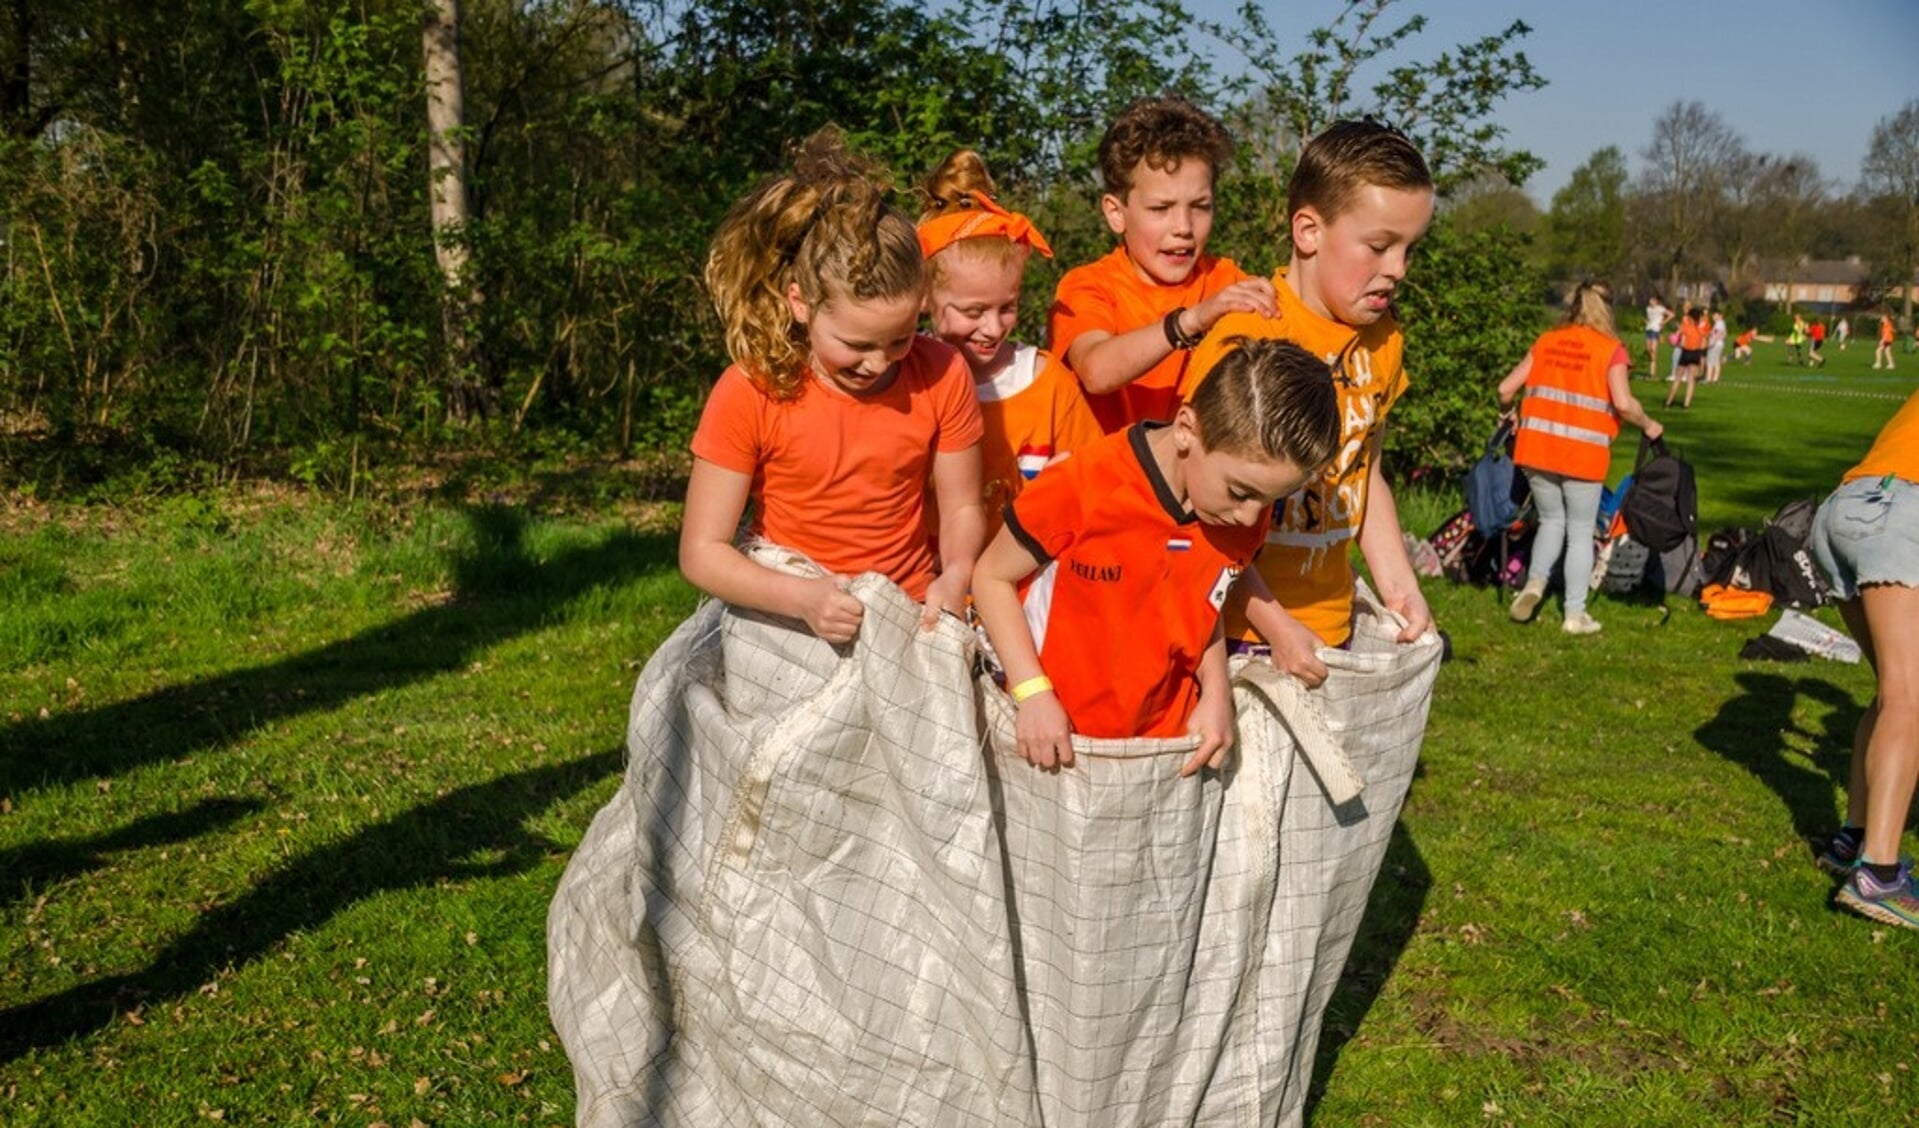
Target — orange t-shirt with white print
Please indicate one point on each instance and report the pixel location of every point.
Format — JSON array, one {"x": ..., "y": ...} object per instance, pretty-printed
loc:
[
  {"x": 1130, "y": 590},
  {"x": 1110, "y": 295},
  {"x": 1033, "y": 412},
  {"x": 1306, "y": 561},
  {"x": 1896, "y": 450},
  {"x": 842, "y": 478}
]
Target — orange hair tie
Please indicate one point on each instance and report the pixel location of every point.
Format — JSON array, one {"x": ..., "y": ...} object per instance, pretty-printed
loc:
[{"x": 983, "y": 220}]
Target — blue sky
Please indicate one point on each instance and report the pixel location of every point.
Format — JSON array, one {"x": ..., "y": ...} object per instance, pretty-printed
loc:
[{"x": 1790, "y": 76}]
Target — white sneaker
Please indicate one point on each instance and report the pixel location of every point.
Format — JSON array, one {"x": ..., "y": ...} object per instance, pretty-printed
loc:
[
  {"x": 1581, "y": 624},
  {"x": 1527, "y": 601}
]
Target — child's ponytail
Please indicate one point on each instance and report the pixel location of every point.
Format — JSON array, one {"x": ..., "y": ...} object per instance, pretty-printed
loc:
[
  {"x": 958, "y": 217},
  {"x": 824, "y": 227}
]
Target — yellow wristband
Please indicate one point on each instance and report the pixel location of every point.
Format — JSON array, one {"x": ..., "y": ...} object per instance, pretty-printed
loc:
[{"x": 1031, "y": 687}]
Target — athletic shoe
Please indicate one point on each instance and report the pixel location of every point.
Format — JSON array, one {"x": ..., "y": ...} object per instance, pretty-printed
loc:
[
  {"x": 1527, "y": 601},
  {"x": 1580, "y": 624},
  {"x": 1886, "y": 903},
  {"x": 1841, "y": 851}
]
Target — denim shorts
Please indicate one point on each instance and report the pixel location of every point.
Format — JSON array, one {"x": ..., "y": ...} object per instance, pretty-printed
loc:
[{"x": 1867, "y": 532}]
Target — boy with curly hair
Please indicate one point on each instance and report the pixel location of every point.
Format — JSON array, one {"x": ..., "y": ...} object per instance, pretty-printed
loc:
[{"x": 1125, "y": 324}]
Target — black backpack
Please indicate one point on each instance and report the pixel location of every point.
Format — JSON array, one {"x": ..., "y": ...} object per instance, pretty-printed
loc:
[
  {"x": 1778, "y": 562},
  {"x": 1662, "y": 508}
]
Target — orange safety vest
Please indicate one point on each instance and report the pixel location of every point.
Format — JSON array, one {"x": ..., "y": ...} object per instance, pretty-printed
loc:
[{"x": 1566, "y": 421}]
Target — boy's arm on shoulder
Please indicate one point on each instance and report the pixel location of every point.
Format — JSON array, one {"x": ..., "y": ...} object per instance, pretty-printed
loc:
[{"x": 1106, "y": 362}]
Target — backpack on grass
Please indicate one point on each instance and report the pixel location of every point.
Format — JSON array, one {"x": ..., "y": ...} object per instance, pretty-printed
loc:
[{"x": 1661, "y": 509}]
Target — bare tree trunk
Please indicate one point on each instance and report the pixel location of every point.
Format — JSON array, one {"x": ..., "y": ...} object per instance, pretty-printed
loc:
[{"x": 447, "y": 191}]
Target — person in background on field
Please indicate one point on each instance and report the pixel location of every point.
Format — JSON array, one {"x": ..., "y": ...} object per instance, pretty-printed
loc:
[
  {"x": 835, "y": 415},
  {"x": 1656, "y": 317},
  {"x": 1126, "y": 323},
  {"x": 1693, "y": 330},
  {"x": 1715, "y": 347},
  {"x": 1576, "y": 378},
  {"x": 1102, "y": 593},
  {"x": 976, "y": 254},
  {"x": 1816, "y": 341},
  {"x": 1882, "y": 356},
  {"x": 1796, "y": 341},
  {"x": 1360, "y": 199},
  {"x": 1866, "y": 539},
  {"x": 1842, "y": 330},
  {"x": 1742, "y": 345}
]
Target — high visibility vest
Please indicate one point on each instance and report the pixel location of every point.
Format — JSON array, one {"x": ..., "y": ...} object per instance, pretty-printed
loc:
[{"x": 1566, "y": 421}]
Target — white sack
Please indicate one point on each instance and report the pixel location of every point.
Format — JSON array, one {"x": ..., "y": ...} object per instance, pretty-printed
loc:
[{"x": 828, "y": 892}]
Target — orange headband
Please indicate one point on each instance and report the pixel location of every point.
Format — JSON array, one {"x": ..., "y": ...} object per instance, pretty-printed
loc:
[{"x": 984, "y": 219}]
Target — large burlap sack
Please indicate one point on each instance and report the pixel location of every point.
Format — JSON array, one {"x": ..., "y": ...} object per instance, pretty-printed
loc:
[{"x": 829, "y": 893}]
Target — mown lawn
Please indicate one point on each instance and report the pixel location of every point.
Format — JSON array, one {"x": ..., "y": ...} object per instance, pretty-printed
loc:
[{"x": 286, "y": 784}]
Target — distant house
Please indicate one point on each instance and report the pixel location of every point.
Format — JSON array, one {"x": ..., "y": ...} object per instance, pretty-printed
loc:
[{"x": 1822, "y": 285}]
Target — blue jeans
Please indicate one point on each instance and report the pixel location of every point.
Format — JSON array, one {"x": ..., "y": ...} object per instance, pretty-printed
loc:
[{"x": 1568, "y": 507}]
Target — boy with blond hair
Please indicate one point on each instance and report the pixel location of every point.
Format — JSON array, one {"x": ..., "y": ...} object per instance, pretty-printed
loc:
[
  {"x": 1125, "y": 324},
  {"x": 1358, "y": 202}
]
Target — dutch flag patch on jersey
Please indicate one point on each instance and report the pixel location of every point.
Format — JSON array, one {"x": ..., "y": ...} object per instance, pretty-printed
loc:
[
  {"x": 1178, "y": 544},
  {"x": 1033, "y": 459}
]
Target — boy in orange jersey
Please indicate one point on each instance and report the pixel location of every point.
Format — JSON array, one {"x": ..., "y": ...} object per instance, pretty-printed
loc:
[
  {"x": 1359, "y": 200},
  {"x": 1112, "y": 568},
  {"x": 1125, "y": 324}
]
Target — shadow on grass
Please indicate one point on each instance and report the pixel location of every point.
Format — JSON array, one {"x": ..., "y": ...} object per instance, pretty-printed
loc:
[
  {"x": 49, "y": 863},
  {"x": 1392, "y": 916},
  {"x": 474, "y": 833},
  {"x": 1751, "y": 730},
  {"x": 499, "y": 592}
]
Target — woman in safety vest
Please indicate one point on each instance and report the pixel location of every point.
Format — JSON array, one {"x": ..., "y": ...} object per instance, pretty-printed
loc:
[{"x": 1575, "y": 378}]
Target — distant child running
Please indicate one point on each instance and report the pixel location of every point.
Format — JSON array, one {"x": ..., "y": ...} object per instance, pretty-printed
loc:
[
  {"x": 1693, "y": 330},
  {"x": 1884, "y": 352},
  {"x": 1102, "y": 594},
  {"x": 1360, "y": 198},
  {"x": 1656, "y": 317},
  {"x": 1816, "y": 338},
  {"x": 1125, "y": 323},
  {"x": 1742, "y": 345},
  {"x": 835, "y": 415},
  {"x": 976, "y": 254}
]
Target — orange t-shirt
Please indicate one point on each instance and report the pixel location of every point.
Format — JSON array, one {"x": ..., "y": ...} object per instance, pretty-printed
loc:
[
  {"x": 1109, "y": 295},
  {"x": 1131, "y": 587},
  {"x": 1306, "y": 561},
  {"x": 1692, "y": 333},
  {"x": 1896, "y": 451},
  {"x": 1885, "y": 330},
  {"x": 1033, "y": 412},
  {"x": 842, "y": 478}
]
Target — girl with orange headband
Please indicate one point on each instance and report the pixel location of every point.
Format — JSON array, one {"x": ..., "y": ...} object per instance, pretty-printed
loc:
[{"x": 976, "y": 252}]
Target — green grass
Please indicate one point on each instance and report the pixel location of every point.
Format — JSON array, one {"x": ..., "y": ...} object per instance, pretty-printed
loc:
[{"x": 288, "y": 785}]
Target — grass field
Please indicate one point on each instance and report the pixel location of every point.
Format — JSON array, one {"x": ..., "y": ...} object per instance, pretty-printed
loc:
[{"x": 286, "y": 784}]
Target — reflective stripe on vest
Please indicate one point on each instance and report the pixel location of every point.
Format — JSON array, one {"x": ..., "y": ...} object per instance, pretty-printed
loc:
[
  {"x": 1561, "y": 395},
  {"x": 1568, "y": 431}
]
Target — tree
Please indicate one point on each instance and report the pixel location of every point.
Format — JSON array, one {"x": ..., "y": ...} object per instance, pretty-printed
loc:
[
  {"x": 1688, "y": 162},
  {"x": 447, "y": 200},
  {"x": 1770, "y": 205},
  {"x": 1889, "y": 175},
  {"x": 1586, "y": 224},
  {"x": 1444, "y": 104}
]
